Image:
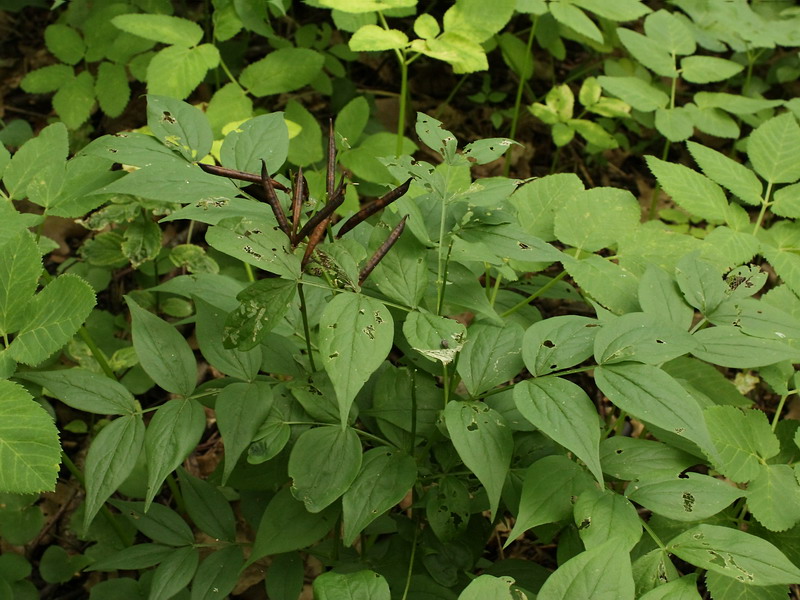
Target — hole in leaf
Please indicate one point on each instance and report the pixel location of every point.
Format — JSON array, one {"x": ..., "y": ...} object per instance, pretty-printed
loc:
[
  {"x": 166, "y": 117},
  {"x": 548, "y": 344},
  {"x": 660, "y": 342},
  {"x": 472, "y": 426},
  {"x": 688, "y": 502}
]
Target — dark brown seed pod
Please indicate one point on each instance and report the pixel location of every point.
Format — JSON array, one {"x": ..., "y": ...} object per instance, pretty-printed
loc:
[
  {"x": 313, "y": 240},
  {"x": 325, "y": 212},
  {"x": 272, "y": 200},
  {"x": 239, "y": 175},
  {"x": 371, "y": 208},
  {"x": 381, "y": 251},
  {"x": 300, "y": 193}
]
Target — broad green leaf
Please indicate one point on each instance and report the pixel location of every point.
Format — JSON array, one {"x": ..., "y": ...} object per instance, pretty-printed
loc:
[
  {"x": 471, "y": 19},
  {"x": 683, "y": 588},
  {"x": 693, "y": 497},
  {"x": 141, "y": 242},
  {"x": 491, "y": 355},
  {"x": 627, "y": 458},
  {"x": 208, "y": 507},
  {"x": 209, "y": 330},
  {"x": 562, "y": 410},
  {"x": 706, "y": 379},
  {"x": 705, "y": 69},
  {"x": 371, "y": 38},
  {"x": 734, "y": 103},
  {"x": 548, "y": 487},
  {"x": 229, "y": 104},
  {"x": 176, "y": 71},
  {"x": 786, "y": 201},
  {"x": 286, "y": 576},
  {"x": 255, "y": 241},
  {"x": 20, "y": 267},
  {"x": 593, "y": 133},
  {"x": 56, "y": 313},
  {"x": 489, "y": 587},
  {"x": 163, "y": 352},
  {"x": 47, "y": 79},
  {"x": 660, "y": 296},
  {"x": 713, "y": 121},
  {"x": 180, "y": 126},
  {"x": 774, "y": 149},
  {"x": 173, "y": 432},
  {"x": 355, "y": 336},
  {"x": 757, "y": 318},
  {"x": 361, "y": 584},
  {"x": 484, "y": 442},
  {"x": 463, "y": 53},
  {"x": 161, "y": 28},
  {"x": 640, "y": 94},
  {"x": 574, "y": 18},
  {"x": 675, "y": 124},
  {"x": 669, "y": 31},
  {"x": 364, "y": 6},
  {"x": 728, "y": 346},
  {"x": 486, "y": 150},
  {"x": 350, "y": 122},
  {"x": 218, "y": 574},
  {"x": 651, "y": 395},
  {"x": 558, "y": 343},
  {"x": 264, "y": 137},
  {"x": 773, "y": 497},
  {"x": 30, "y": 453},
  {"x": 65, "y": 43},
  {"x": 689, "y": 189},
  {"x": 112, "y": 88},
  {"x": 613, "y": 286},
  {"x": 306, "y": 147},
  {"x": 160, "y": 523},
  {"x": 241, "y": 409},
  {"x": 85, "y": 390},
  {"x": 605, "y": 515},
  {"x": 262, "y": 306},
  {"x": 385, "y": 478},
  {"x": 728, "y": 173},
  {"x": 652, "y": 569},
  {"x": 323, "y": 464},
  {"x": 537, "y": 202},
  {"x": 701, "y": 283},
  {"x": 138, "y": 556},
  {"x": 426, "y": 26},
  {"x": 743, "y": 556},
  {"x": 435, "y": 137},
  {"x": 174, "y": 573},
  {"x": 728, "y": 588},
  {"x": 282, "y": 70},
  {"x": 600, "y": 573},
  {"x": 448, "y": 508},
  {"x": 50, "y": 146},
  {"x": 402, "y": 275},
  {"x": 286, "y": 525},
  {"x": 516, "y": 54},
  {"x": 111, "y": 458},
  {"x": 597, "y": 218},
  {"x": 743, "y": 440},
  {"x": 621, "y": 10},
  {"x": 641, "y": 337},
  {"x": 649, "y": 52}
]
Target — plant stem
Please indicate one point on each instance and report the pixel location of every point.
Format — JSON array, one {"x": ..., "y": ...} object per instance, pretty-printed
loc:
[
  {"x": 96, "y": 352},
  {"x": 765, "y": 202},
  {"x": 230, "y": 75},
  {"x": 411, "y": 561},
  {"x": 249, "y": 270},
  {"x": 653, "y": 535},
  {"x": 306, "y": 330},
  {"x": 778, "y": 411},
  {"x": 450, "y": 96},
  {"x": 535, "y": 294},
  {"x": 518, "y": 98}
]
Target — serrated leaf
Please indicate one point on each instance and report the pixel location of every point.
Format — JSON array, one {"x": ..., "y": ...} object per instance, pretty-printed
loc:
[
  {"x": 773, "y": 497},
  {"x": 161, "y": 28},
  {"x": 47, "y": 79},
  {"x": 282, "y": 70},
  {"x": 562, "y": 411},
  {"x": 365, "y": 6},
  {"x": 574, "y": 18},
  {"x": 65, "y": 43},
  {"x": 470, "y": 18},
  {"x": 786, "y": 201},
  {"x": 669, "y": 31},
  {"x": 649, "y": 52},
  {"x": 20, "y": 267},
  {"x": 537, "y": 202},
  {"x": 263, "y": 137},
  {"x": 696, "y": 193},
  {"x": 30, "y": 458},
  {"x": 75, "y": 99},
  {"x": 50, "y": 146},
  {"x": 608, "y": 283},
  {"x": 597, "y": 218},
  {"x": 176, "y": 71},
  {"x": 241, "y": 409},
  {"x": 774, "y": 149},
  {"x": 640, "y": 94},
  {"x": 112, "y": 89},
  {"x": 675, "y": 124},
  {"x": 743, "y": 439},
  {"x": 693, "y": 497},
  {"x": 728, "y": 173},
  {"x": 484, "y": 442},
  {"x": 371, "y": 38},
  {"x": 705, "y": 69}
]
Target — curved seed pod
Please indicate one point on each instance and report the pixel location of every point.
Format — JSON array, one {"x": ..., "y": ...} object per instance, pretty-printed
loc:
[
  {"x": 300, "y": 193},
  {"x": 272, "y": 200},
  {"x": 382, "y": 250},
  {"x": 238, "y": 175},
  {"x": 372, "y": 207},
  {"x": 314, "y": 239},
  {"x": 326, "y": 211}
]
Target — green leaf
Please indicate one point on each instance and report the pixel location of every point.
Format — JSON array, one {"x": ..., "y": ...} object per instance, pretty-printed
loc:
[
  {"x": 774, "y": 150},
  {"x": 743, "y": 556},
  {"x": 112, "y": 88},
  {"x": 734, "y": 103},
  {"x": 674, "y": 123},
  {"x": 229, "y": 104},
  {"x": 74, "y": 100},
  {"x": 651, "y": 395},
  {"x": 470, "y": 18},
  {"x": 601, "y": 573},
  {"x": 176, "y": 71},
  {"x": 774, "y": 497},
  {"x": 464, "y": 54},
  {"x": 306, "y": 147},
  {"x": 723, "y": 587},
  {"x": 286, "y": 525},
  {"x": 597, "y": 218},
  {"x": 660, "y": 296},
  {"x": 47, "y": 79},
  {"x": 20, "y": 267},
  {"x": 65, "y": 43},
  {"x": 111, "y": 458},
  {"x": 574, "y": 18},
  {"x": 50, "y": 146},
  {"x": 364, "y": 6},
  {"x": 627, "y": 458},
  {"x": 489, "y": 587},
  {"x": 621, "y": 10},
  {"x": 209, "y": 332},
  {"x": 163, "y": 352},
  {"x": 683, "y": 588},
  {"x": 256, "y": 241},
  {"x": 730, "y": 347},
  {"x": 426, "y": 26},
  {"x": 174, "y": 573},
  {"x": 141, "y": 242},
  {"x": 355, "y": 336},
  {"x": 692, "y": 497},
  {"x": 516, "y": 54},
  {"x": 402, "y": 275},
  {"x": 161, "y": 28},
  {"x": 786, "y": 201},
  {"x": 385, "y": 478},
  {"x": 371, "y": 38},
  {"x": 705, "y": 69},
  {"x": 669, "y": 31},
  {"x": 30, "y": 460},
  {"x": 641, "y": 337},
  {"x": 608, "y": 283},
  {"x": 173, "y": 432},
  {"x": 85, "y": 390},
  {"x": 285, "y": 577},
  {"x": 283, "y": 70},
  {"x": 483, "y": 441},
  {"x": 701, "y": 283},
  {"x": 263, "y": 305},
  {"x": 713, "y": 121},
  {"x": 648, "y": 52},
  {"x": 728, "y": 173},
  {"x": 241, "y": 409},
  {"x": 538, "y": 202},
  {"x": 179, "y": 126},
  {"x": 490, "y": 356},
  {"x": 743, "y": 440},
  {"x": 160, "y": 523},
  {"x": 562, "y": 410},
  {"x": 757, "y": 318},
  {"x": 323, "y": 464},
  {"x": 605, "y": 515},
  {"x": 218, "y": 574},
  {"x": 208, "y": 507},
  {"x": 558, "y": 343},
  {"x": 593, "y": 133},
  {"x": 638, "y": 93},
  {"x": 56, "y": 314},
  {"x": 139, "y": 556},
  {"x": 361, "y": 584},
  {"x": 264, "y": 137},
  {"x": 486, "y": 150},
  {"x": 691, "y": 190}
]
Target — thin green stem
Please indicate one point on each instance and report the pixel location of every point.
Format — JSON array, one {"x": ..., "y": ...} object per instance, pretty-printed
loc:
[
  {"x": 778, "y": 411},
  {"x": 518, "y": 98},
  {"x": 176, "y": 493},
  {"x": 535, "y": 294},
  {"x": 700, "y": 324},
  {"x": 653, "y": 535},
  {"x": 401, "y": 117},
  {"x": 411, "y": 564},
  {"x": 249, "y": 270},
  {"x": 96, "y": 352},
  {"x": 412, "y": 373},
  {"x": 306, "y": 329},
  {"x": 230, "y": 75},
  {"x": 495, "y": 289},
  {"x": 765, "y": 202},
  {"x": 450, "y": 96}
]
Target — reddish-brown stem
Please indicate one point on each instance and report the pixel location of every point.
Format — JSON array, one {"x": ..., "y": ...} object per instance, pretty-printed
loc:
[
  {"x": 275, "y": 204},
  {"x": 371, "y": 208},
  {"x": 313, "y": 240},
  {"x": 300, "y": 192},
  {"x": 326, "y": 211},
  {"x": 238, "y": 175},
  {"x": 381, "y": 252}
]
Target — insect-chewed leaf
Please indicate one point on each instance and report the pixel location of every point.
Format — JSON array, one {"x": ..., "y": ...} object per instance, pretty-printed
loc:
[
  {"x": 486, "y": 587},
  {"x": 355, "y": 336},
  {"x": 179, "y": 125},
  {"x": 641, "y": 337},
  {"x": 209, "y": 332},
  {"x": 436, "y": 338},
  {"x": 262, "y": 305},
  {"x": 604, "y": 515},
  {"x": 490, "y": 356},
  {"x": 558, "y": 343}
]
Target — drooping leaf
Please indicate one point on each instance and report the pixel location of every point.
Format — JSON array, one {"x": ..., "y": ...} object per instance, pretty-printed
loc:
[
  {"x": 85, "y": 390},
  {"x": 241, "y": 410}
]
